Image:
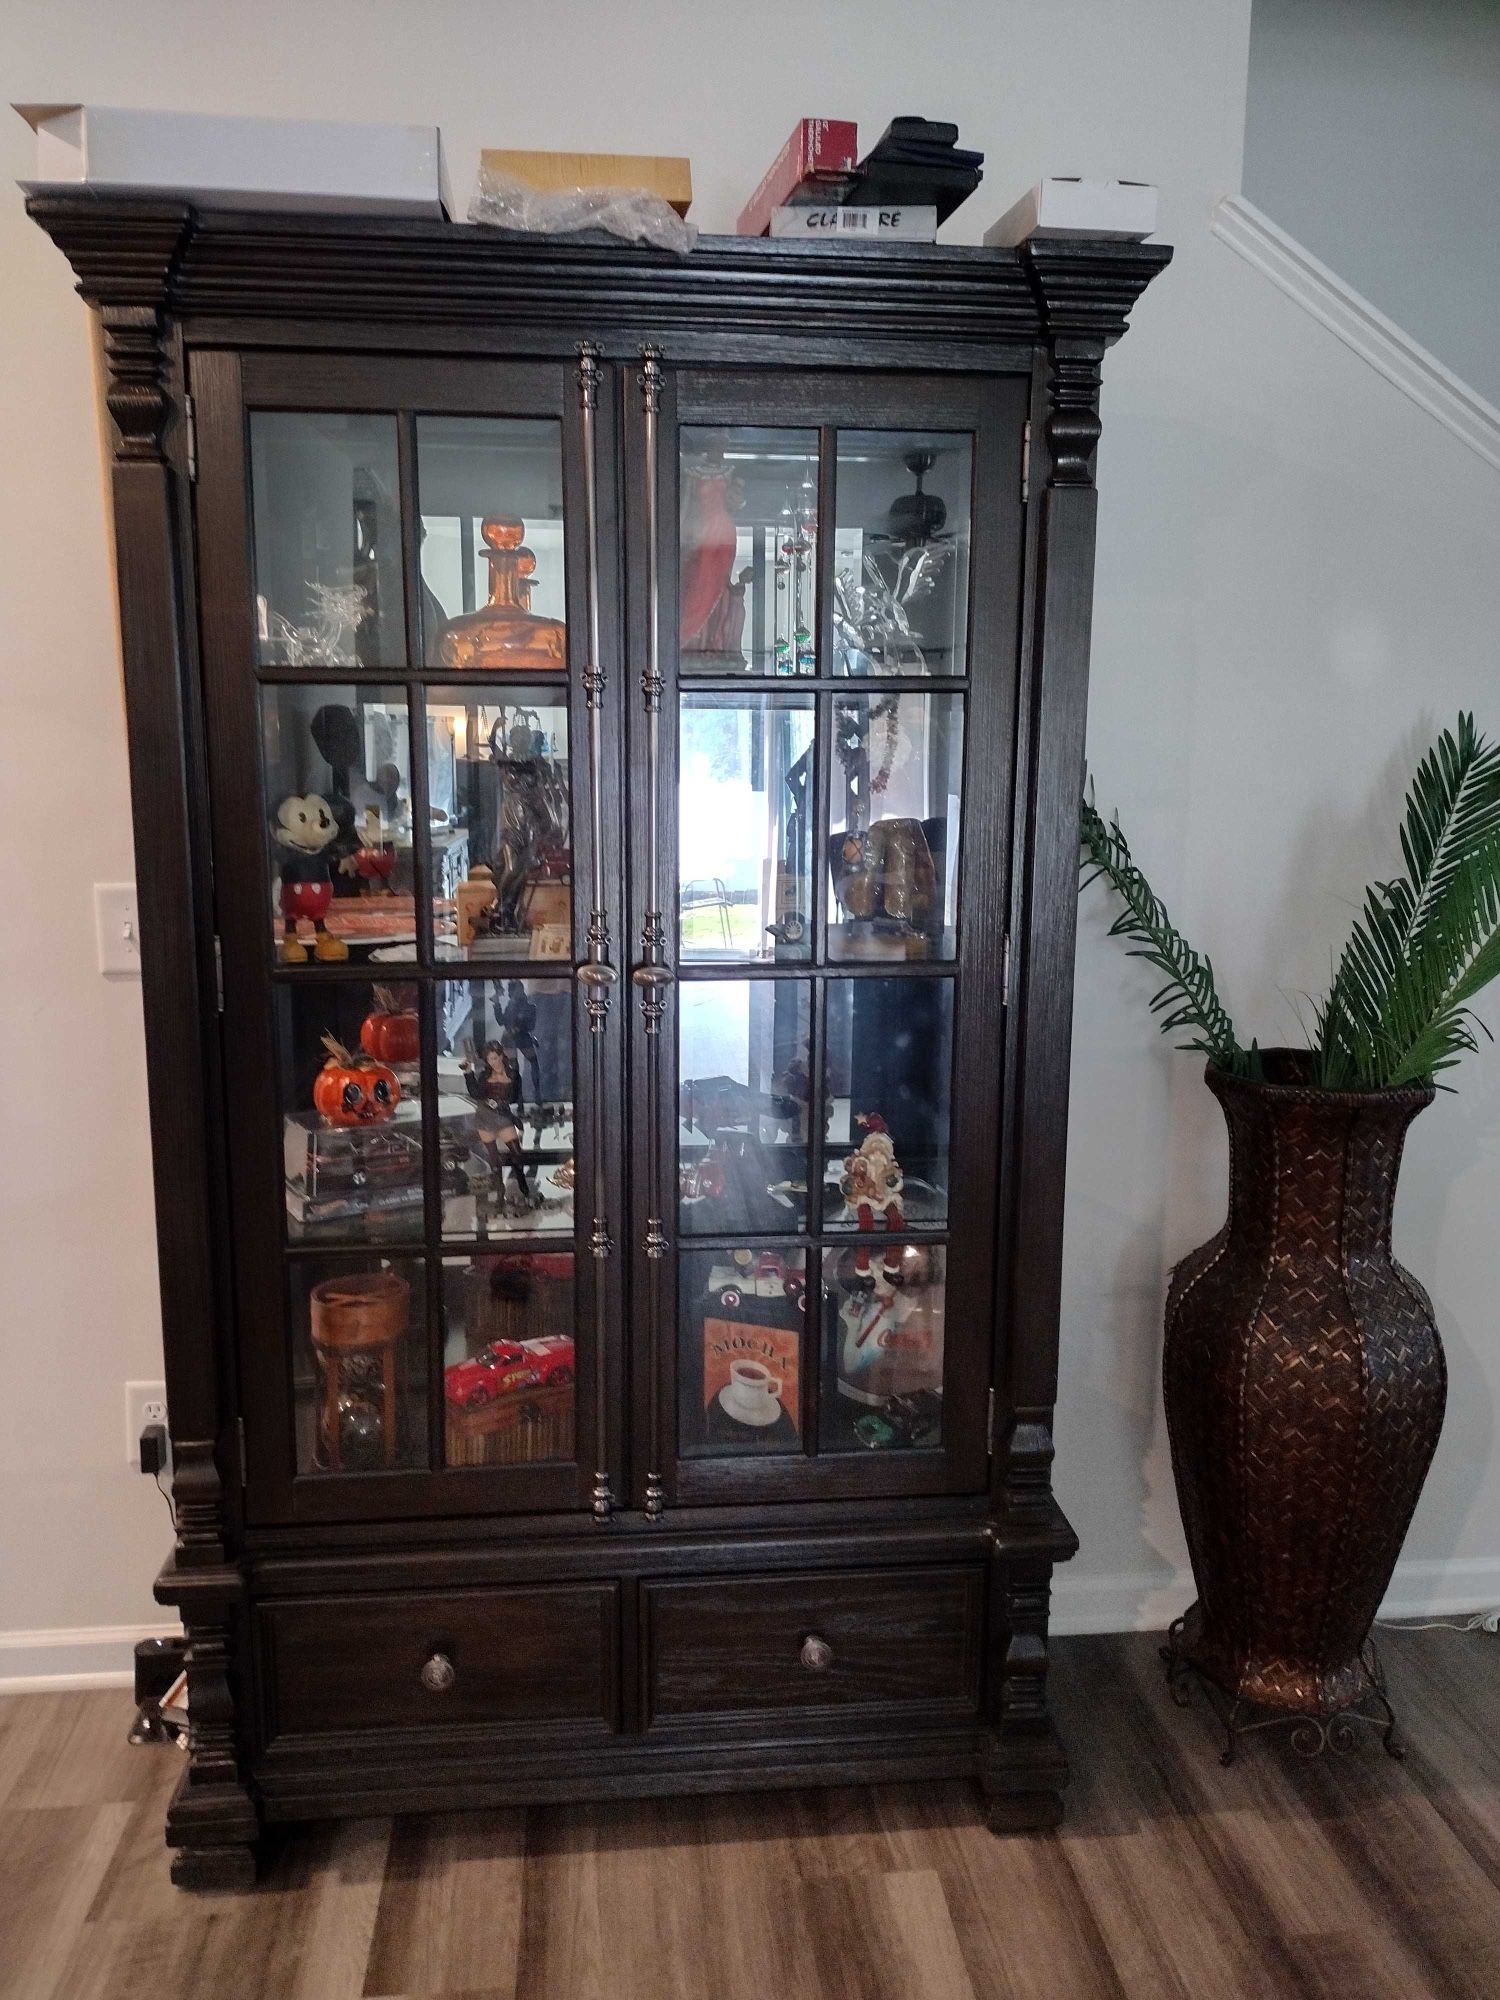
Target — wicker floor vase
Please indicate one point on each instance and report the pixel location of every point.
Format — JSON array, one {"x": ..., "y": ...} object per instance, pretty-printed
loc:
[{"x": 1304, "y": 1385}]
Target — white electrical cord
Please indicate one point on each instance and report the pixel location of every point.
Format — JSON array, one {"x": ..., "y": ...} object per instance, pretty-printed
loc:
[{"x": 1482, "y": 1621}]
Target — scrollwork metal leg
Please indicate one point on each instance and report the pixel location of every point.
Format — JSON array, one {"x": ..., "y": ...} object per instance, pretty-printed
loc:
[{"x": 1311, "y": 1735}]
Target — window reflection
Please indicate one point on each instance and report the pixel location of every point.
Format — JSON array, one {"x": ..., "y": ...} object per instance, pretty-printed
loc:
[
  {"x": 744, "y": 810},
  {"x": 901, "y": 552},
  {"x": 743, "y": 1094}
]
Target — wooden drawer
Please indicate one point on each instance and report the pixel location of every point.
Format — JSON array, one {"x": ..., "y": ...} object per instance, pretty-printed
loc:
[
  {"x": 907, "y": 1638},
  {"x": 528, "y": 1655}
]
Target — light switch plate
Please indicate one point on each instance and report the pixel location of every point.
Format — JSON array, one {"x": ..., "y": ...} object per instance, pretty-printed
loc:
[{"x": 117, "y": 927}]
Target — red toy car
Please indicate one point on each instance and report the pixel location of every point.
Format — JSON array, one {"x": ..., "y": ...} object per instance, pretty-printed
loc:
[{"x": 508, "y": 1365}]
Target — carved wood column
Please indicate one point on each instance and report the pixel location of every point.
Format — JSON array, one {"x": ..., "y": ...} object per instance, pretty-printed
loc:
[
  {"x": 1084, "y": 293},
  {"x": 125, "y": 262}
]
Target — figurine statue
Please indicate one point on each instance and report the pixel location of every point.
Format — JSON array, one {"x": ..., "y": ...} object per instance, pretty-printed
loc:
[
  {"x": 528, "y": 831},
  {"x": 493, "y": 1079},
  {"x": 871, "y": 1185},
  {"x": 305, "y": 828}
]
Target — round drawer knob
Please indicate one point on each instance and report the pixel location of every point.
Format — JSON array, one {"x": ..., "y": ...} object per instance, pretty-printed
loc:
[
  {"x": 439, "y": 1674},
  {"x": 817, "y": 1654}
]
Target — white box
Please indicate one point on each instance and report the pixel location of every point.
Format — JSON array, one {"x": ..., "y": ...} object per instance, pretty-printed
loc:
[
  {"x": 282, "y": 163},
  {"x": 1124, "y": 210},
  {"x": 889, "y": 223}
]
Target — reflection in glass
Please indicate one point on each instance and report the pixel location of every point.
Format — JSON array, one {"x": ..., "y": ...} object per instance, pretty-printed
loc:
[
  {"x": 901, "y": 552},
  {"x": 349, "y": 1078},
  {"x": 337, "y": 765},
  {"x": 748, "y": 531},
  {"x": 743, "y": 1316},
  {"x": 744, "y": 817},
  {"x": 505, "y": 1106},
  {"x": 743, "y": 1093},
  {"x": 509, "y": 1365},
  {"x": 883, "y": 1318},
  {"x": 359, "y": 1344},
  {"x": 493, "y": 584},
  {"x": 893, "y": 824},
  {"x": 327, "y": 514},
  {"x": 498, "y": 799},
  {"x": 887, "y": 1084}
]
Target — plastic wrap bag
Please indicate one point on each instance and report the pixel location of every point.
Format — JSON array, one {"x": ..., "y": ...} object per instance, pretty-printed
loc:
[{"x": 504, "y": 203}]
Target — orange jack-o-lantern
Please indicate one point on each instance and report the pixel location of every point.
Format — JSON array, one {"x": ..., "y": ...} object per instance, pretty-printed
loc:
[
  {"x": 391, "y": 1034},
  {"x": 354, "y": 1090}
]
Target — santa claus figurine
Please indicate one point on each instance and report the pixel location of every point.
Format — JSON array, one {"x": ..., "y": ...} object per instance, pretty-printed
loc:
[{"x": 871, "y": 1185}]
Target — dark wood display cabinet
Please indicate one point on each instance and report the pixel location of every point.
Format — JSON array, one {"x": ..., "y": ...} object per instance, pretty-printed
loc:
[{"x": 605, "y": 735}]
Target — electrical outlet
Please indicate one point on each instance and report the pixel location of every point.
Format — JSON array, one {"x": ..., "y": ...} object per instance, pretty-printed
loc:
[
  {"x": 145, "y": 1403},
  {"x": 117, "y": 927}
]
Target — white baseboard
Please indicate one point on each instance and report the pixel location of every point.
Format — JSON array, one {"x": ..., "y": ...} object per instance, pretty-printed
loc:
[
  {"x": 1149, "y": 1601},
  {"x": 1361, "y": 326},
  {"x": 74, "y": 1656}
]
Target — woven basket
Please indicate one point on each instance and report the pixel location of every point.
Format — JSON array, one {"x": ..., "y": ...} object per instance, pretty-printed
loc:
[
  {"x": 364, "y": 1309},
  {"x": 1304, "y": 1385}
]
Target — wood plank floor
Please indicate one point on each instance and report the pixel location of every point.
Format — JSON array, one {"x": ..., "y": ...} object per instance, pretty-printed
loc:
[{"x": 1351, "y": 1877}]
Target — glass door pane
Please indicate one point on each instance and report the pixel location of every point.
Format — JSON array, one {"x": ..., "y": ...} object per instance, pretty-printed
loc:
[
  {"x": 336, "y": 764},
  {"x": 494, "y": 592},
  {"x": 327, "y": 525},
  {"x": 747, "y": 551},
  {"x": 901, "y": 552},
  {"x": 393, "y": 725},
  {"x": 500, "y": 816},
  {"x": 509, "y": 1359},
  {"x": 893, "y": 825},
  {"x": 745, "y": 809},
  {"x": 825, "y": 985}
]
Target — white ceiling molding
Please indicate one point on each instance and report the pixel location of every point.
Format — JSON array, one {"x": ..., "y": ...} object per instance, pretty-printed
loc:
[{"x": 1361, "y": 326}]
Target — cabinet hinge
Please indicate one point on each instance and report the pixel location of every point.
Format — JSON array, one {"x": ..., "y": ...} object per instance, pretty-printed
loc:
[
  {"x": 989, "y": 1426},
  {"x": 239, "y": 1433},
  {"x": 190, "y": 420},
  {"x": 219, "y": 973},
  {"x": 1004, "y": 972},
  {"x": 1026, "y": 461}
]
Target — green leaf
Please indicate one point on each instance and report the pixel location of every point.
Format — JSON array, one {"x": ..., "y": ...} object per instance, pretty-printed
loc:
[
  {"x": 1189, "y": 1000},
  {"x": 1429, "y": 941}
]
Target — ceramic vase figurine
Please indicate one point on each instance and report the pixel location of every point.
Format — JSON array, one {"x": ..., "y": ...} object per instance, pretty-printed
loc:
[{"x": 1304, "y": 1387}]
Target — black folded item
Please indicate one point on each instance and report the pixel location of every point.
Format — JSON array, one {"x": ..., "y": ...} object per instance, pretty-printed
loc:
[{"x": 916, "y": 163}]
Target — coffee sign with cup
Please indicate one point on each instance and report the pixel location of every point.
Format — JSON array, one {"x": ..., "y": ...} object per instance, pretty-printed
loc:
[{"x": 752, "y": 1352}]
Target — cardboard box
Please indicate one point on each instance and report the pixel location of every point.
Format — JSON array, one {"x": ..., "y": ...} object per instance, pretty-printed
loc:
[
  {"x": 566, "y": 173},
  {"x": 1122, "y": 210},
  {"x": 280, "y": 163},
  {"x": 819, "y": 149}
]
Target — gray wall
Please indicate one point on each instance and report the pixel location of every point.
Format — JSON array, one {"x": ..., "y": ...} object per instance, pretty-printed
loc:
[{"x": 1373, "y": 137}]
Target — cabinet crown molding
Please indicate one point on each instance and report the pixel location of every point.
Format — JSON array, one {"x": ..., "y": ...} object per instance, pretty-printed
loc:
[{"x": 267, "y": 264}]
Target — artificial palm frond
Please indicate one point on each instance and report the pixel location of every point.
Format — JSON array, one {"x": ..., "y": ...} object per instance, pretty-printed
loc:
[
  {"x": 1428, "y": 941},
  {"x": 1189, "y": 1000}
]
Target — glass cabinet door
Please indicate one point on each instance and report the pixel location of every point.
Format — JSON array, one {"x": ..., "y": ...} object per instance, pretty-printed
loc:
[
  {"x": 395, "y": 579},
  {"x": 832, "y": 888}
]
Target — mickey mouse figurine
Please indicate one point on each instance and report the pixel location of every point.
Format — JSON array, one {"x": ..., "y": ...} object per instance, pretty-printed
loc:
[{"x": 304, "y": 829}]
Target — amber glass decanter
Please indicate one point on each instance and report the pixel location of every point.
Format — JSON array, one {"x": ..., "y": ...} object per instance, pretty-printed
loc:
[{"x": 506, "y": 634}]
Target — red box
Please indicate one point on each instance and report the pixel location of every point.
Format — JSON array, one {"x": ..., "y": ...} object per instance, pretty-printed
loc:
[{"x": 818, "y": 147}]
